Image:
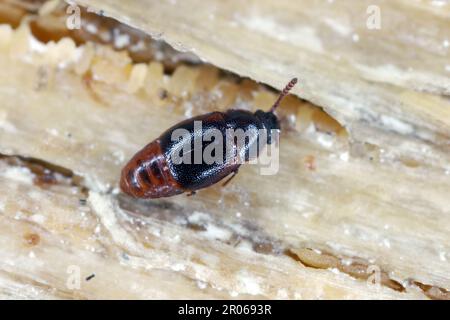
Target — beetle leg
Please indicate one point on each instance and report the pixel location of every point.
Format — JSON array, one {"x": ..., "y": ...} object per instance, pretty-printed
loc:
[
  {"x": 192, "y": 193},
  {"x": 230, "y": 178}
]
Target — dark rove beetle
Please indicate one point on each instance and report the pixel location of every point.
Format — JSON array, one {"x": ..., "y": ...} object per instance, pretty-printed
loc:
[{"x": 151, "y": 173}]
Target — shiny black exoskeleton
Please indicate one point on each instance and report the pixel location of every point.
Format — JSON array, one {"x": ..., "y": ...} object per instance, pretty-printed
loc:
[{"x": 194, "y": 176}]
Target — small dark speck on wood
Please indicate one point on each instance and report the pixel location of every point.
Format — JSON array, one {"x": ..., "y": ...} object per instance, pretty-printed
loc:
[{"x": 90, "y": 277}]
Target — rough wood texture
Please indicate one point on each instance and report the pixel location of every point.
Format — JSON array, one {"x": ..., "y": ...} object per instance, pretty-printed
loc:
[
  {"x": 157, "y": 260},
  {"x": 338, "y": 208},
  {"x": 386, "y": 86}
]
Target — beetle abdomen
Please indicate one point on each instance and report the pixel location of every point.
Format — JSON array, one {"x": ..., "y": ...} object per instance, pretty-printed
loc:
[{"x": 147, "y": 174}]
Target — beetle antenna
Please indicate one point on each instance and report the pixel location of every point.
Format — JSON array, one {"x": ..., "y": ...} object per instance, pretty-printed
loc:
[{"x": 283, "y": 94}]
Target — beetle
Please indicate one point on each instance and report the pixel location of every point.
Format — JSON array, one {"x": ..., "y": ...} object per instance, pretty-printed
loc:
[{"x": 153, "y": 173}]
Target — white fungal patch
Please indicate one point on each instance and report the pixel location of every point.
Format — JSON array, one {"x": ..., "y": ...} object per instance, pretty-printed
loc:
[
  {"x": 121, "y": 40},
  {"x": 178, "y": 267},
  {"x": 397, "y": 125},
  {"x": 199, "y": 217},
  {"x": 248, "y": 283},
  {"x": 386, "y": 243},
  {"x": 104, "y": 207},
  {"x": 301, "y": 35},
  {"x": 355, "y": 37},
  {"x": 54, "y": 132},
  {"x": 345, "y": 156},
  {"x": 282, "y": 294},
  {"x": 5, "y": 124},
  {"x": 38, "y": 218},
  {"x": 216, "y": 233},
  {"x": 338, "y": 27},
  {"x": 201, "y": 284},
  {"x": 212, "y": 231},
  {"x": 19, "y": 174},
  {"x": 91, "y": 28},
  {"x": 35, "y": 45},
  {"x": 388, "y": 73},
  {"x": 6, "y": 33},
  {"x": 245, "y": 246},
  {"x": 119, "y": 156},
  {"x": 325, "y": 140},
  {"x": 234, "y": 293}
]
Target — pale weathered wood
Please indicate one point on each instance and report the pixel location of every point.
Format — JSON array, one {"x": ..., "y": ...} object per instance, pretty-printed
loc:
[
  {"x": 385, "y": 85},
  {"x": 385, "y": 206}
]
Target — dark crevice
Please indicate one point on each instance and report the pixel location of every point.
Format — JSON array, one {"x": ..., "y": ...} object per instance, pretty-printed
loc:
[
  {"x": 432, "y": 292},
  {"x": 46, "y": 173},
  {"x": 361, "y": 270}
]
